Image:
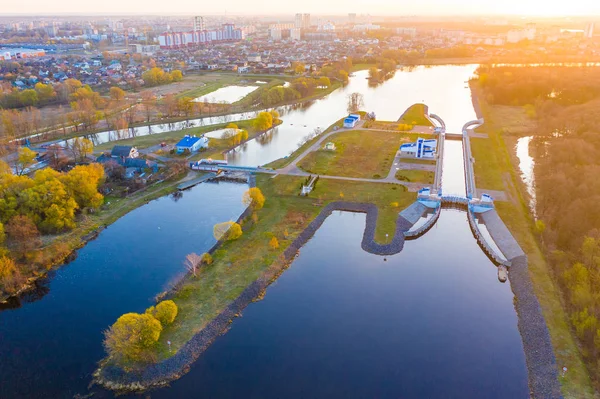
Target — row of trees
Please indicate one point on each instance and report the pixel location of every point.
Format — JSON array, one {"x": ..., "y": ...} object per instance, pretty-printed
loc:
[
  {"x": 46, "y": 203},
  {"x": 157, "y": 76},
  {"x": 298, "y": 88},
  {"x": 566, "y": 149}
]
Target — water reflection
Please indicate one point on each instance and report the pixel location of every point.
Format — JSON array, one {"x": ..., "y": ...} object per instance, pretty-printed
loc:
[{"x": 526, "y": 166}]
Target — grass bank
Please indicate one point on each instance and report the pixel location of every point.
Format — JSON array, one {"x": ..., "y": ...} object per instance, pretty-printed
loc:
[
  {"x": 358, "y": 153},
  {"x": 495, "y": 167},
  {"x": 285, "y": 215},
  {"x": 415, "y": 176},
  {"x": 415, "y": 115}
]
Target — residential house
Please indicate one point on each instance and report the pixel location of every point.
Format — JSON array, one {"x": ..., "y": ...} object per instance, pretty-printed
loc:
[{"x": 191, "y": 144}]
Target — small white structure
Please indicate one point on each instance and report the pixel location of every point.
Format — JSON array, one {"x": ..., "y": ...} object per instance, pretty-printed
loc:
[
  {"x": 422, "y": 148},
  {"x": 351, "y": 120},
  {"x": 329, "y": 146},
  {"x": 191, "y": 144}
]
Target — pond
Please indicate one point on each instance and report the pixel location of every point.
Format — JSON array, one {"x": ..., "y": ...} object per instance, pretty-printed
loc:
[{"x": 228, "y": 94}]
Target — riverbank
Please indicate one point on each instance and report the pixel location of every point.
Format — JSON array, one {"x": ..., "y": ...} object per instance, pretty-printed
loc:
[
  {"x": 494, "y": 169},
  {"x": 267, "y": 265},
  {"x": 59, "y": 250}
]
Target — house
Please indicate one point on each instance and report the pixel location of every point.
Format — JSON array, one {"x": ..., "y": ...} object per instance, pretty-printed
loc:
[
  {"x": 124, "y": 151},
  {"x": 422, "y": 148},
  {"x": 351, "y": 120},
  {"x": 191, "y": 144}
]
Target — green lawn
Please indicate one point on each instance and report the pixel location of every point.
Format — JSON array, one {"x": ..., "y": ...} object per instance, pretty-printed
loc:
[
  {"x": 415, "y": 115},
  {"x": 415, "y": 176},
  {"x": 359, "y": 153},
  {"x": 494, "y": 169},
  {"x": 419, "y": 161},
  {"x": 285, "y": 215}
]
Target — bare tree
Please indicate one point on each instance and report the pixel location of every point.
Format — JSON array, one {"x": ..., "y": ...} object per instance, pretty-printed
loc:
[
  {"x": 192, "y": 263},
  {"x": 355, "y": 102}
]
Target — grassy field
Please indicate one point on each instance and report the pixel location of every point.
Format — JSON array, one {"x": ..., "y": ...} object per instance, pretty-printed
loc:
[
  {"x": 359, "y": 153},
  {"x": 418, "y": 161},
  {"x": 495, "y": 166},
  {"x": 415, "y": 176},
  {"x": 285, "y": 215},
  {"x": 415, "y": 115}
]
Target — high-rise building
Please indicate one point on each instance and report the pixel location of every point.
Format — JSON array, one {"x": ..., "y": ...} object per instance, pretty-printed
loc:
[
  {"x": 305, "y": 21},
  {"x": 352, "y": 18},
  {"x": 199, "y": 23},
  {"x": 298, "y": 21},
  {"x": 589, "y": 31}
]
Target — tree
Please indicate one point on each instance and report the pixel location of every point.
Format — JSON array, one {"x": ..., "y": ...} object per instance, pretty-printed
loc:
[
  {"x": 374, "y": 73},
  {"x": 23, "y": 232},
  {"x": 56, "y": 157},
  {"x": 355, "y": 102},
  {"x": 25, "y": 159},
  {"x": 324, "y": 81},
  {"x": 192, "y": 262},
  {"x": 7, "y": 268},
  {"x": 206, "y": 259},
  {"x": 80, "y": 147},
  {"x": 82, "y": 184},
  {"x": 274, "y": 243},
  {"x": 117, "y": 94},
  {"x": 165, "y": 312},
  {"x": 253, "y": 198},
  {"x": 263, "y": 121},
  {"x": 274, "y": 114},
  {"x": 4, "y": 168},
  {"x": 227, "y": 231},
  {"x": 131, "y": 337},
  {"x": 299, "y": 68},
  {"x": 177, "y": 75},
  {"x": 45, "y": 92}
]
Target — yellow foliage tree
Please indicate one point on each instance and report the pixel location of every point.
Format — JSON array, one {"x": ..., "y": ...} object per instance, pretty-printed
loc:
[
  {"x": 227, "y": 231},
  {"x": 165, "y": 312},
  {"x": 254, "y": 198},
  {"x": 263, "y": 121},
  {"x": 25, "y": 159},
  {"x": 274, "y": 243},
  {"x": 131, "y": 337}
]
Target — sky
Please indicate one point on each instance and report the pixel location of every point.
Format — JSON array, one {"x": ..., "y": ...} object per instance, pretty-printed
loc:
[{"x": 341, "y": 7}]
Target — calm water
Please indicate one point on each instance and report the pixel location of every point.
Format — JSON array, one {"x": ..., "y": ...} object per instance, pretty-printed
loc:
[
  {"x": 526, "y": 165},
  {"x": 49, "y": 348},
  {"x": 342, "y": 323},
  {"x": 229, "y": 94},
  {"x": 432, "y": 321},
  {"x": 443, "y": 88}
]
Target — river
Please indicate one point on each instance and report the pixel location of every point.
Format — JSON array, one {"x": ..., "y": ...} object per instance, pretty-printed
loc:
[{"x": 431, "y": 321}]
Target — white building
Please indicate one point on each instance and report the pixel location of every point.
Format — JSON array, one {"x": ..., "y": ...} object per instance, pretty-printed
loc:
[
  {"x": 296, "y": 34},
  {"x": 422, "y": 148}
]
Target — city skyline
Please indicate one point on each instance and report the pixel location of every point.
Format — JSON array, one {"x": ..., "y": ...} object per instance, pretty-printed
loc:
[{"x": 381, "y": 7}]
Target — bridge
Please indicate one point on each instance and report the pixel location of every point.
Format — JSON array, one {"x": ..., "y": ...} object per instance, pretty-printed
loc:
[{"x": 206, "y": 167}]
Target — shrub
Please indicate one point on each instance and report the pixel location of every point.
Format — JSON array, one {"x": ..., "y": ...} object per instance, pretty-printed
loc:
[
  {"x": 165, "y": 312},
  {"x": 206, "y": 259}
]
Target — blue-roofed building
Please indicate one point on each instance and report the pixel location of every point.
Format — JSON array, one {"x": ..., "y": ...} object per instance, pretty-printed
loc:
[
  {"x": 422, "y": 148},
  {"x": 191, "y": 144},
  {"x": 351, "y": 120}
]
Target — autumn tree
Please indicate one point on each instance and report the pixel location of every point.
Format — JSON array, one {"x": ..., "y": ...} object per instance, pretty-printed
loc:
[
  {"x": 82, "y": 183},
  {"x": 165, "y": 312},
  {"x": 131, "y": 338},
  {"x": 25, "y": 159},
  {"x": 227, "y": 231},
  {"x": 253, "y": 198},
  {"x": 117, "y": 94},
  {"x": 274, "y": 243},
  {"x": 177, "y": 75},
  {"x": 324, "y": 81},
  {"x": 148, "y": 100},
  {"x": 355, "y": 102},
  {"x": 23, "y": 232},
  {"x": 206, "y": 259},
  {"x": 263, "y": 121},
  {"x": 80, "y": 148},
  {"x": 56, "y": 157}
]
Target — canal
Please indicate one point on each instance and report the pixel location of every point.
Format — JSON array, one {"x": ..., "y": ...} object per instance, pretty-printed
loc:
[{"x": 431, "y": 321}]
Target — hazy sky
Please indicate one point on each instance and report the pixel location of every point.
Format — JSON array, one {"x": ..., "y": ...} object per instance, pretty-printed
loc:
[{"x": 373, "y": 7}]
